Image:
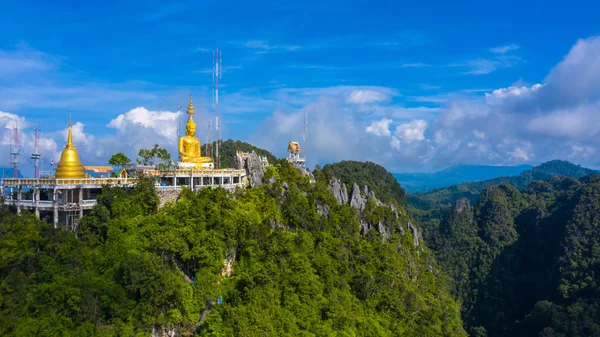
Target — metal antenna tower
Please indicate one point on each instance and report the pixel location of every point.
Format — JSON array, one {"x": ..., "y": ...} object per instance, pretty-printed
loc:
[
  {"x": 217, "y": 74},
  {"x": 36, "y": 154},
  {"x": 178, "y": 128},
  {"x": 15, "y": 151},
  {"x": 207, "y": 152},
  {"x": 304, "y": 135}
]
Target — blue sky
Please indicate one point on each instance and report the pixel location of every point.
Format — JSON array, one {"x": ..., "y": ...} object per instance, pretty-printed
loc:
[{"x": 403, "y": 84}]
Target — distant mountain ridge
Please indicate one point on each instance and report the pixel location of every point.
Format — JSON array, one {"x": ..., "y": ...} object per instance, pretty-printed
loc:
[
  {"x": 472, "y": 190},
  {"x": 422, "y": 182}
]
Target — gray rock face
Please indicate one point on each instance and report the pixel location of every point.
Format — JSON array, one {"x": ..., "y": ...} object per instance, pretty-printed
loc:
[
  {"x": 160, "y": 331},
  {"x": 462, "y": 205},
  {"x": 339, "y": 191},
  {"x": 365, "y": 190},
  {"x": 276, "y": 224},
  {"x": 356, "y": 200},
  {"x": 272, "y": 180},
  {"x": 238, "y": 162},
  {"x": 415, "y": 233},
  {"x": 381, "y": 229},
  {"x": 254, "y": 170},
  {"x": 307, "y": 172},
  {"x": 322, "y": 209}
]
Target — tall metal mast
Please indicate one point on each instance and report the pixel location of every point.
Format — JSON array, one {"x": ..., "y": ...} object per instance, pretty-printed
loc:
[
  {"x": 304, "y": 134},
  {"x": 217, "y": 73},
  {"x": 178, "y": 128},
  {"x": 15, "y": 152},
  {"x": 207, "y": 151},
  {"x": 36, "y": 154}
]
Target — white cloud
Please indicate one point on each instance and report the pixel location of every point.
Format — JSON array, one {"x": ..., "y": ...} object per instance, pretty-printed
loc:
[
  {"x": 478, "y": 134},
  {"x": 504, "y": 49},
  {"x": 519, "y": 153},
  {"x": 24, "y": 59},
  {"x": 415, "y": 65},
  {"x": 264, "y": 45},
  {"x": 395, "y": 143},
  {"x": 162, "y": 123},
  {"x": 367, "y": 96},
  {"x": 412, "y": 131},
  {"x": 581, "y": 122},
  {"x": 9, "y": 120},
  {"x": 48, "y": 146},
  {"x": 485, "y": 65},
  {"x": 380, "y": 127},
  {"x": 499, "y": 95}
]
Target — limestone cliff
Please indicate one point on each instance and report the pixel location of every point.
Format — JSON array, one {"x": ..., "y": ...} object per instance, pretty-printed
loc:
[{"x": 360, "y": 199}]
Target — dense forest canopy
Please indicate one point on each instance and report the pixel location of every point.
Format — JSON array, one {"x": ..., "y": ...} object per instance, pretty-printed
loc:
[
  {"x": 133, "y": 267},
  {"x": 228, "y": 148},
  {"x": 525, "y": 263}
]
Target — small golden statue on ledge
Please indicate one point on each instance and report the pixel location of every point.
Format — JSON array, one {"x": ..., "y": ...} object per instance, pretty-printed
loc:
[{"x": 189, "y": 145}]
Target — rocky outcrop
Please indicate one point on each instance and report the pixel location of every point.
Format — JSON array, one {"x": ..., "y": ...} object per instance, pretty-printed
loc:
[
  {"x": 276, "y": 224},
  {"x": 322, "y": 208},
  {"x": 238, "y": 162},
  {"x": 306, "y": 172},
  {"x": 356, "y": 200},
  {"x": 254, "y": 169},
  {"x": 415, "y": 233},
  {"x": 167, "y": 195},
  {"x": 339, "y": 191},
  {"x": 158, "y": 331},
  {"x": 462, "y": 205}
]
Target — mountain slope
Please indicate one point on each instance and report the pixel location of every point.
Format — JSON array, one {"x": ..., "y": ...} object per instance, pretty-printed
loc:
[
  {"x": 471, "y": 191},
  {"x": 374, "y": 176},
  {"x": 286, "y": 258},
  {"x": 422, "y": 182},
  {"x": 526, "y": 263}
]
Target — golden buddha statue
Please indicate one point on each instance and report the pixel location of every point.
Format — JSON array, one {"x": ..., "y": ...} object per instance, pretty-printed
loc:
[
  {"x": 69, "y": 165},
  {"x": 189, "y": 145}
]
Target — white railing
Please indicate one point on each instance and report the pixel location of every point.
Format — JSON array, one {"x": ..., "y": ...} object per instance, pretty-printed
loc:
[
  {"x": 90, "y": 202},
  {"x": 68, "y": 181}
]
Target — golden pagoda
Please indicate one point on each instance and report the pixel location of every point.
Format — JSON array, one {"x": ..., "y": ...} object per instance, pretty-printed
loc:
[{"x": 69, "y": 165}]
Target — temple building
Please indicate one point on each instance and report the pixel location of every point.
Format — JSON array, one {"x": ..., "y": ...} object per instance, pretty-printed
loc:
[
  {"x": 294, "y": 154},
  {"x": 64, "y": 197}
]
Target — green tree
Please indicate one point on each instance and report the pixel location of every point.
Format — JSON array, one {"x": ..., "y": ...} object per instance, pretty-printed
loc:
[
  {"x": 119, "y": 159},
  {"x": 150, "y": 156}
]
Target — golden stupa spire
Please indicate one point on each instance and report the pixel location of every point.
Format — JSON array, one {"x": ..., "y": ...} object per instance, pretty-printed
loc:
[
  {"x": 69, "y": 165},
  {"x": 70, "y": 134},
  {"x": 190, "y": 109}
]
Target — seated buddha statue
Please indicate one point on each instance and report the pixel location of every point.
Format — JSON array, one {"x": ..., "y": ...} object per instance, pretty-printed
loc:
[{"x": 189, "y": 145}]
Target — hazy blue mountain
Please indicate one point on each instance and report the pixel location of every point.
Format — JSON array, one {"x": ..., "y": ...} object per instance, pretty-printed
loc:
[
  {"x": 421, "y": 182},
  {"x": 471, "y": 190}
]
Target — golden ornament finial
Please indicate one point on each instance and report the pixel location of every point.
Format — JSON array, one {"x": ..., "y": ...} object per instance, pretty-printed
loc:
[
  {"x": 190, "y": 109},
  {"x": 70, "y": 134}
]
